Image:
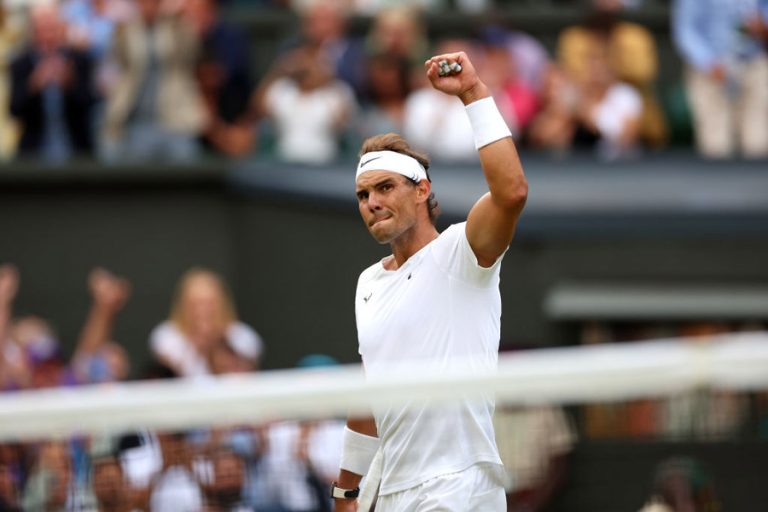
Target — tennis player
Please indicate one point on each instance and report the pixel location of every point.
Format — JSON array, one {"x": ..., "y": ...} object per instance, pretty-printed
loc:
[{"x": 434, "y": 301}]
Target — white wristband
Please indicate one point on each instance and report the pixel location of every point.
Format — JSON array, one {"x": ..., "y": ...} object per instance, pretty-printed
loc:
[
  {"x": 358, "y": 452},
  {"x": 487, "y": 124}
]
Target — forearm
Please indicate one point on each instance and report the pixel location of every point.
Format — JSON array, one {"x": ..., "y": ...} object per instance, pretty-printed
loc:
[
  {"x": 96, "y": 331},
  {"x": 349, "y": 479},
  {"x": 499, "y": 159}
]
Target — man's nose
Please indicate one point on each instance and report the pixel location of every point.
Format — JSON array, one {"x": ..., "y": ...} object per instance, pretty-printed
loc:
[{"x": 373, "y": 202}]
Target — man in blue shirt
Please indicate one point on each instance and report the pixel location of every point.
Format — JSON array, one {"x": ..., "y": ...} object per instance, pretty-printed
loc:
[{"x": 724, "y": 43}]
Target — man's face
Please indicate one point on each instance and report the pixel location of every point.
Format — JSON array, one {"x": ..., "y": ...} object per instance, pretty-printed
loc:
[{"x": 388, "y": 203}]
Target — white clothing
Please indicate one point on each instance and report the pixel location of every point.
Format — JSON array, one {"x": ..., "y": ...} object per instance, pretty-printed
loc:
[
  {"x": 621, "y": 104},
  {"x": 528, "y": 439},
  {"x": 176, "y": 490},
  {"x": 442, "y": 309},
  {"x": 284, "y": 476},
  {"x": 168, "y": 343},
  {"x": 307, "y": 121},
  {"x": 475, "y": 489},
  {"x": 438, "y": 124}
]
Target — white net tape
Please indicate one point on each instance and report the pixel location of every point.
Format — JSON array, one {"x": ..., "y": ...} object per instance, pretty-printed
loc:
[{"x": 588, "y": 374}]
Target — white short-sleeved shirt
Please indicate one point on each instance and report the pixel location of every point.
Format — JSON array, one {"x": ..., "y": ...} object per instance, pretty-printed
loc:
[
  {"x": 306, "y": 120},
  {"x": 440, "y": 308},
  {"x": 169, "y": 343}
]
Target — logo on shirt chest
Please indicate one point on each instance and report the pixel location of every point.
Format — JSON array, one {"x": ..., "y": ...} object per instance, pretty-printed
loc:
[{"x": 366, "y": 299}]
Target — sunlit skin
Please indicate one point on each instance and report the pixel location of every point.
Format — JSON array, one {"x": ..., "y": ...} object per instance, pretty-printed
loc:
[{"x": 395, "y": 212}]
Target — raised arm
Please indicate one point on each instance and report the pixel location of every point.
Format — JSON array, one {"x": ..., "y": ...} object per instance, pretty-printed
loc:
[
  {"x": 109, "y": 294},
  {"x": 492, "y": 220}
]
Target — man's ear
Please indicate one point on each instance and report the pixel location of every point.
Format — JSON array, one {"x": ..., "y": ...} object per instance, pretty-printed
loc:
[{"x": 424, "y": 188}]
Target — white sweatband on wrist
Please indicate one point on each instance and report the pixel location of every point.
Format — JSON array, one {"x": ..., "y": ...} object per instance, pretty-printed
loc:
[
  {"x": 487, "y": 124},
  {"x": 391, "y": 161},
  {"x": 358, "y": 452}
]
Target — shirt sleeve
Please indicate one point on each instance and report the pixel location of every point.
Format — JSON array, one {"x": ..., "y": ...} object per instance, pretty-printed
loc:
[
  {"x": 245, "y": 341},
  {"x": 689, "y": 33},
  {"x": 455, "y": 256}
]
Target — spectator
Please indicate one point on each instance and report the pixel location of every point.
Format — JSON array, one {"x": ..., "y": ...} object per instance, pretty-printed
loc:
[
  {"x": 515, "y": 98},
  {"x": 154, "y": 109},
  {"x": 92, "y": 24},
  {"x": 97, "y": 358},
  {"x": 10, "y": 35},
  {"x": 202, "y": 318},
  {"x": 534, "y": 444},
  {"x": 110, "y": 486},
  {"x": 30, "y": 353},
  {"x": 435, "y": 123},
  {"x": 530, "y": 57},
  {"x": 632, "y": 57},
  {"x": 387, "y": 87},
  {"x": 51, "y": 486},
  {"x": 399, "y": 31},
  {"x": 225, "y": 493},
  {"x": 223, "y": 74},
  {"x": 725, "y": 48},
  {"x": 52, "y": 91},
  {"x": 14, "y": 370},
  {"x": 554, "y": 126},
  {"x": 176, "y": 488},
  {"x": 682, "y": 484},
  {"x": 9, "y": 495},
  {"x": 609, "y": 112},
  {"x": 310, "y": 110},
  {"x": 324, "y": 26}
]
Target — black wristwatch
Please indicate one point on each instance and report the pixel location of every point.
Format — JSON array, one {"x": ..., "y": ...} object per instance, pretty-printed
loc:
[{"x": 344, "y": 494}]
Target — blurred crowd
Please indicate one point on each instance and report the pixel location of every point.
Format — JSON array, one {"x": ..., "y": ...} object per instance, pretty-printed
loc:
[
  {"x": 172, "y": 80},
  {"x": 280, "y": 466}
]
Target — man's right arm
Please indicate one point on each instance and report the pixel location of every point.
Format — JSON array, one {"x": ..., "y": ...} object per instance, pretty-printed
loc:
[{"x": 348, "y": 479}]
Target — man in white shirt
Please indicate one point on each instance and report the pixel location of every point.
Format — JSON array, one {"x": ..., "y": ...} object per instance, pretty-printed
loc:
[{"x": 434, "y": 301}]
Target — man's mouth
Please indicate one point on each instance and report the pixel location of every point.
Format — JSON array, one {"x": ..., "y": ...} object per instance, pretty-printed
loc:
[{"x": 378, "y": 219}]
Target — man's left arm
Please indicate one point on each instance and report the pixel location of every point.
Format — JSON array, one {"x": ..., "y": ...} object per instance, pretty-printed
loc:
[{"x": 492, "y": 220}]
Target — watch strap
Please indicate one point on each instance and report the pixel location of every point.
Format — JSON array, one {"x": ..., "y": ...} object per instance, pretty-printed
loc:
[{"x": 344, "y": 494}]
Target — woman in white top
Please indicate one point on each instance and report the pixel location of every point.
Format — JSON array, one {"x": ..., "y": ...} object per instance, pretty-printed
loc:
[{"x": 203, "y": 322}]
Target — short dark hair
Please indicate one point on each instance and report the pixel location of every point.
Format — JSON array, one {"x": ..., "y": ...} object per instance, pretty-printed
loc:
[{"x": 394, "y": 142}]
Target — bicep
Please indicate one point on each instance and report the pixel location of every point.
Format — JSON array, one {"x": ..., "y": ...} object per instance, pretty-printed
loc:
[{"x": 490, "y": 229}]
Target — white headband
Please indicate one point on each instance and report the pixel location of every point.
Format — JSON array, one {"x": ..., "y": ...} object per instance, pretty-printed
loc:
[{"x": 392, "y": 161}]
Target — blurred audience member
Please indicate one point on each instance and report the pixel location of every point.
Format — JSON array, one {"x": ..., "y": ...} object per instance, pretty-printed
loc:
[
  {"x": 515, "y": 98},
  {"x": 682, "y": 484},
  {"x": 52, "y": 91},
  {"x": 324, "y": 26},
  {"x": 310, "y": 110},
  {"x": 223, "y": 74},
  {"x": 534, "y": 444},
  {"x": 609, "y": 112},
  {"x": 97, "y": 358},
  {"x": 91, "y": 23},
  {"x": 30, "y": 353},
  {"x": 725, "y": 47},
  {"x": 52, "y": 486},
  {"x": 435, "y": 122},
  {"x": 387, "y": 87},
  {"x": 202, "y": 319},
  {"x": 229, "y": 475},
  {"x": 9, "y": 493},
  {"x": 399, "y": 32},
  {"x": 15, "y": 371},
  {"x": 632, "y": 57},
  {"x": 530, "y": 57},
  {"x": 154, "y": 107},
  {"x": 176, "y": 488},
  {"x": 554, "y": 126},
  {"x": 10, "y": 35},
  {"x": 110, "y": 486}
]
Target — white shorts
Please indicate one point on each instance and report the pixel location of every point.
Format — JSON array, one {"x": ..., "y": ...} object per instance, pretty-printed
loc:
[{"x": 476, "y": 489}]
